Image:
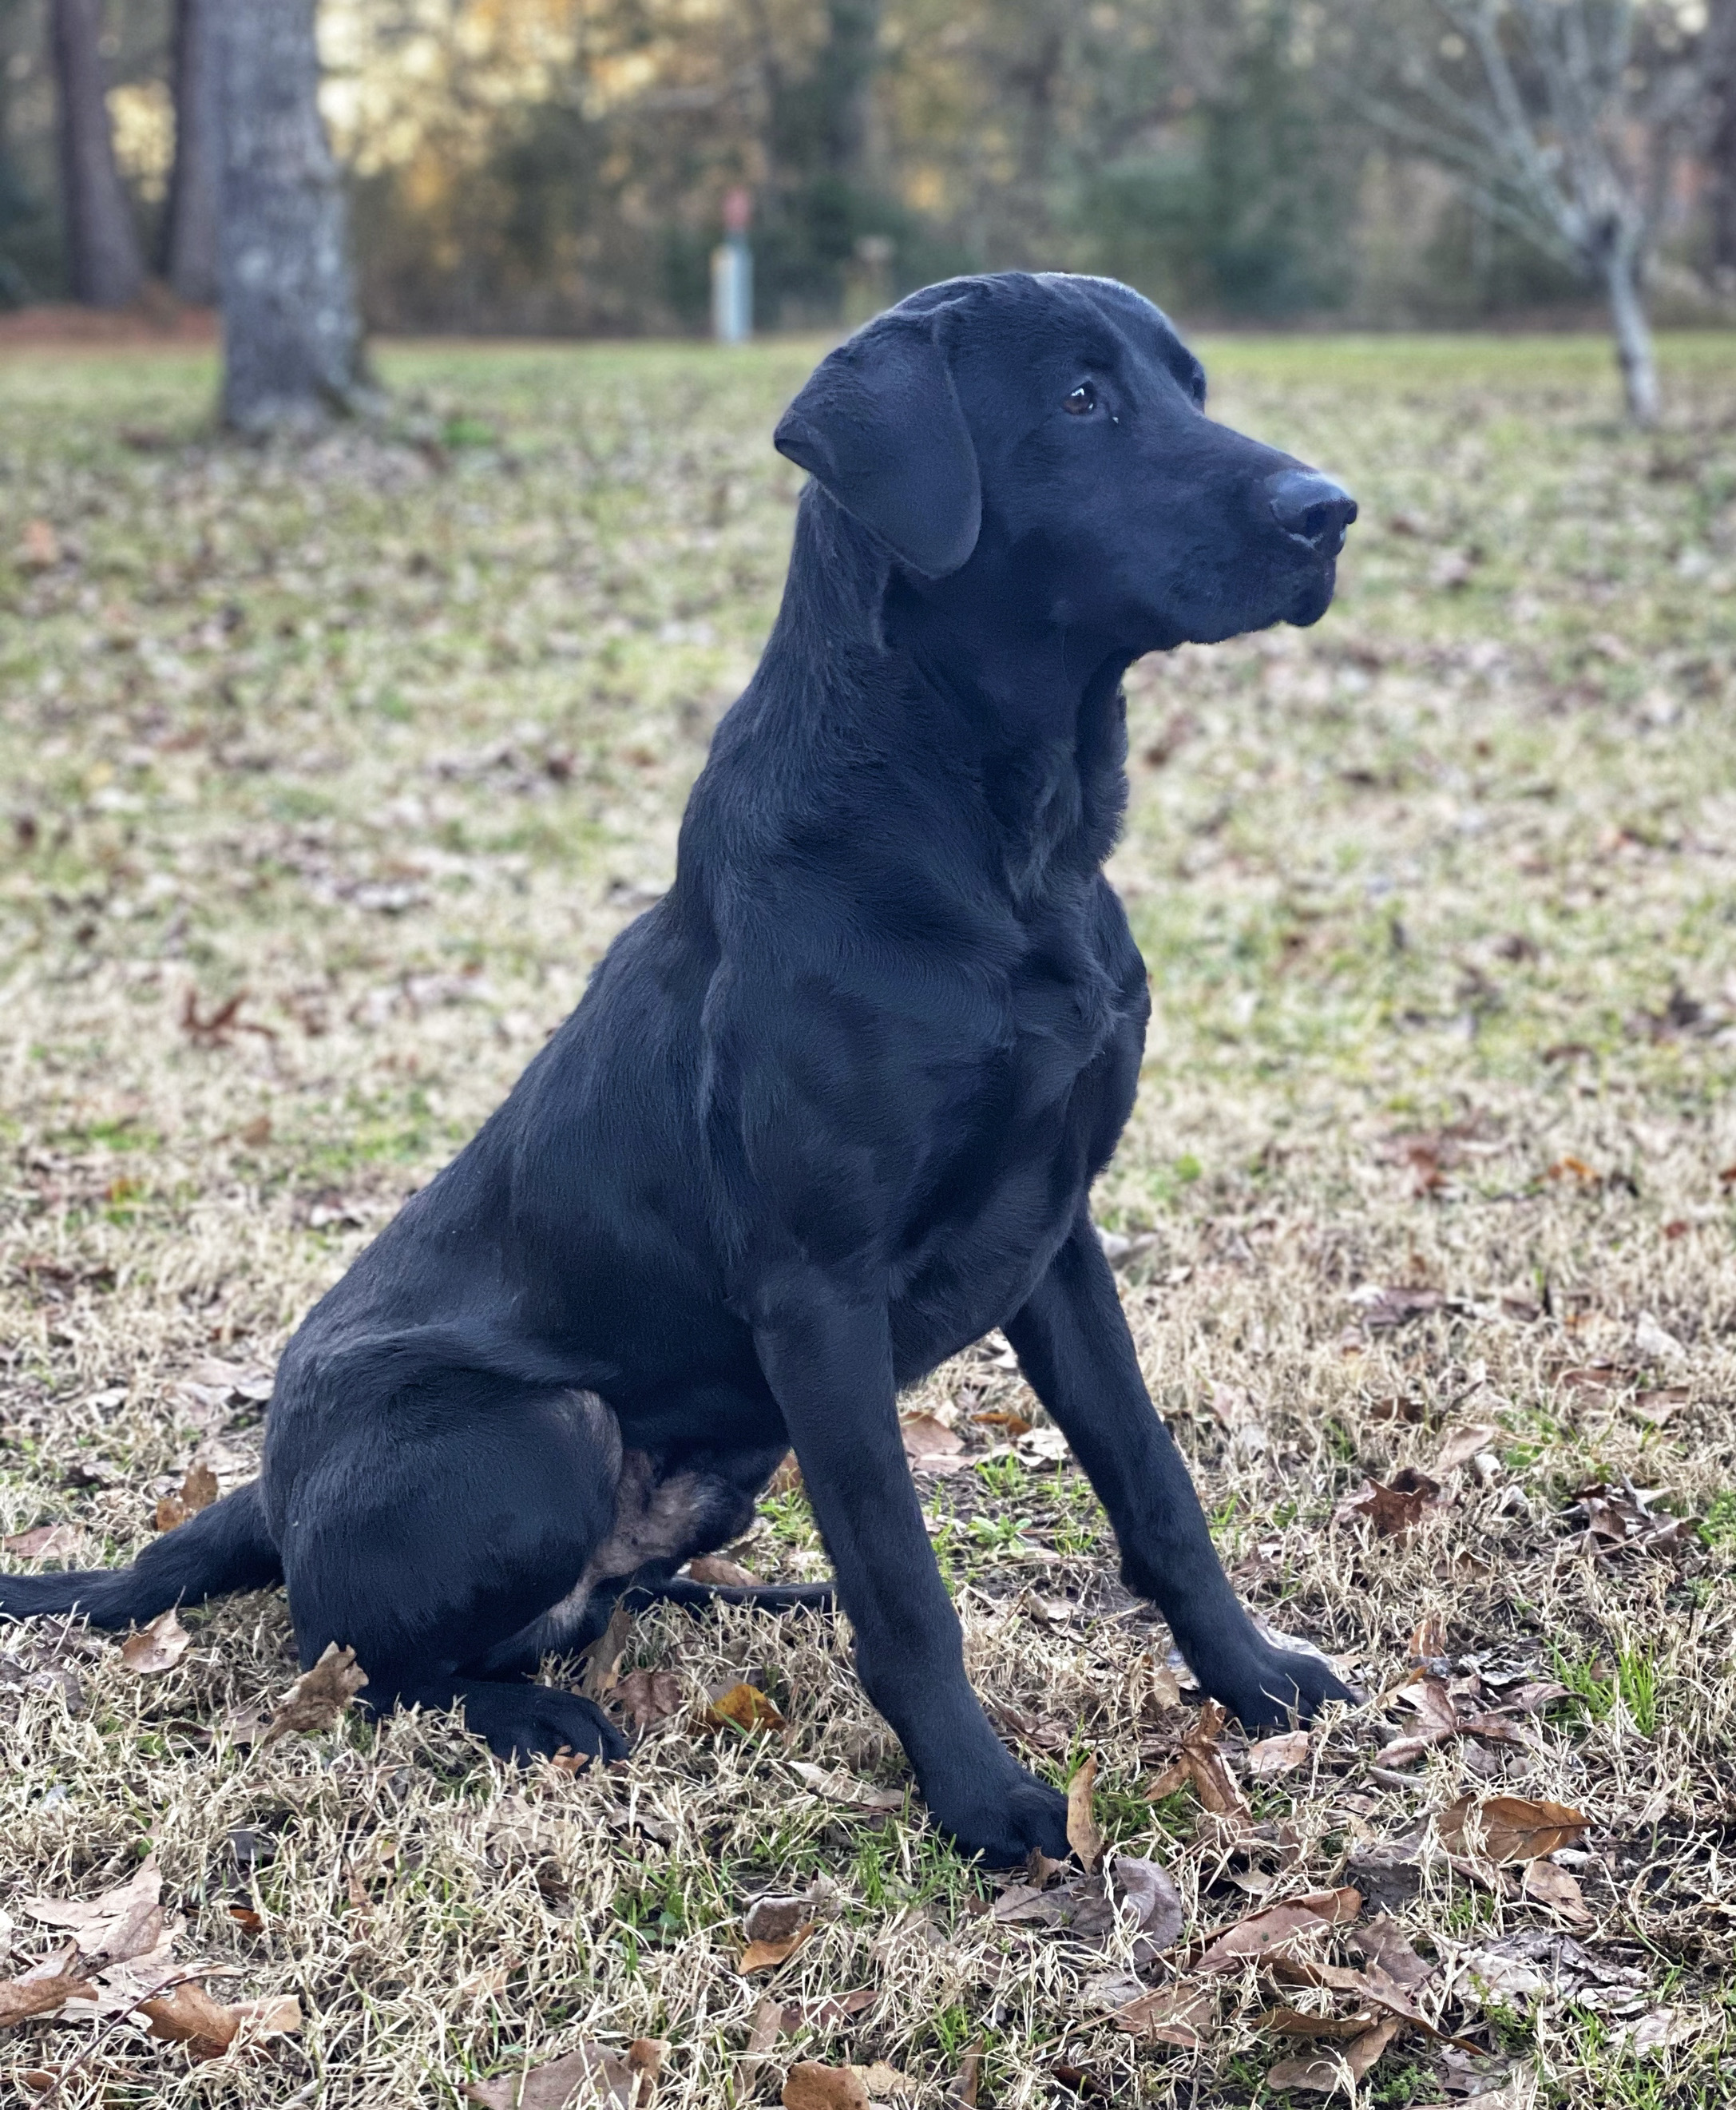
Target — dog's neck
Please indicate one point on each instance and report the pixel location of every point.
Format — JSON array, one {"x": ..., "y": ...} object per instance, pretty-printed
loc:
[{"x": 989, "y": 682}]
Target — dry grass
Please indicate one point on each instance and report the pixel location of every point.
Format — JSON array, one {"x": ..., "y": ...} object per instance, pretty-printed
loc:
[{"x": 387, "y": 742}]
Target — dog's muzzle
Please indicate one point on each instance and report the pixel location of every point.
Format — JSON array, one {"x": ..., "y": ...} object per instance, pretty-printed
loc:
[{"x": 1311, "y": 509}]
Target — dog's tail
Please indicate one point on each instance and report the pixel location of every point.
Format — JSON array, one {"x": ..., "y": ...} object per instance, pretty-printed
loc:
[{"x": 223, "y": 1548}]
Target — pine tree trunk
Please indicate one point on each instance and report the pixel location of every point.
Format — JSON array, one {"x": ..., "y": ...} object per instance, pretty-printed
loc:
[
  {"x": 189, "y": 253},
  {"x": 105, "y": 268},
  {"x": 1634, "y": 351},
  {"x": 293, "y": 337}
]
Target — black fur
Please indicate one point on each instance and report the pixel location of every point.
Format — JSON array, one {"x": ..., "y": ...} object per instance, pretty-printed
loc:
[{"x": 832, "y": 1109}]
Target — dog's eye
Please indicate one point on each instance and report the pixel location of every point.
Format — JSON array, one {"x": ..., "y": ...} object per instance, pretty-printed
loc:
[{"x": 1083, "y": 401}]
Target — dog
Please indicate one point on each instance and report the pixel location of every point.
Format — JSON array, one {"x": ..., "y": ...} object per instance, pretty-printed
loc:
[{"x": 830, "y": 1110}]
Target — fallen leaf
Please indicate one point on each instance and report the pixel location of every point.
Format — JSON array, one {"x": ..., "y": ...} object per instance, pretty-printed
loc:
[
  {"x": 1296, "y": 2022},
  {"x": 787, "y": 1479},
  {"x": 188, "y": 2015},
  {"x": 1385, "y": 1943},
  {"x": 837, "y": 1785},
  {"x": 1202, "y": 1764},
  {"x": 830, "y": 2009},
  {"x": 602, "y": 1659},
  {"x": 1513, "y": 1828},
  {"x": 1153, "y": 1901},
  {"x": 724, "y": 1574},
  {"x": 743, "y": 1707},
  {"x": 766, "y": 2028},
  {"x": 929, "y": 1445},
  {"x": 1324, "y": 2074},
  {"x": 647, "y": 1697},
  {"x": 776, "y": 1918},
  {"x": 1459, "y": 1445},
  {"x": 1273, "y": 1755},
  {"x": 46, "y": 1989},
  {"x": 1166, "y": 1688},
  {"x": 1178, "y": 2014},
  {"x": 1084, "y": 1835},
  {"x": 1263, "y": 1931},
  {"x": 39, "y": 547},
  {"x": 1556, "y": 1888},
  {"x": 1393, "y": 1508},
  {"x": 969, "y": 2079},
  {"x": 881, "y": 2078},
  {"x": 1003, "y": 1418},
  {"x": 157, "y": 1647},
  {"x": 592, "y": 2076},
  {"x": 1428, "y": 1644},
  {"x": 1654, "y": 2030},
  {"x": 762, "y": 1955},
  {"x": 810, "y": 2086},
  {"x": 198, "y": 1490},
  {"x": 314, "y": 1702},
  {"x": 116, "y": 1925},
  {"x": 1396, "y": 1304},
  {"x": 46, "y": 1541},
  {"x": 1081, "y": 2080},
  {"x": 1655, "y": 1405}
]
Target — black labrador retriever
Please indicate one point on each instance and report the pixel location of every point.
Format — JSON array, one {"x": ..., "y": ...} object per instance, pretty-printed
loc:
[{"x": 832, "y": 1109}]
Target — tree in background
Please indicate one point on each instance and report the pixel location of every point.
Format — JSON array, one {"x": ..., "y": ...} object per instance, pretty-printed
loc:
[
  {"x": 1565, "y": 119},
  {"x": 188, "y": 244},
  {"x": 1720, "y": 158},
  {"x": 104, "y": 266},
  {"x": 292, "y": 335}
]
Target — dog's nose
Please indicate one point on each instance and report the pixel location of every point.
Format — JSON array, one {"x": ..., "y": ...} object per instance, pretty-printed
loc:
[{"x": 1312, "y": 507}]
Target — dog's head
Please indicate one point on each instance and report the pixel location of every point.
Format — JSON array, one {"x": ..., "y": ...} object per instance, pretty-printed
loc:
[{"x": 1042, "y": 441}]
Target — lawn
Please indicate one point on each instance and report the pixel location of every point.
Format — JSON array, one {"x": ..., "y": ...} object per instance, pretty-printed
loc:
[{"x": 328, "y": 776}]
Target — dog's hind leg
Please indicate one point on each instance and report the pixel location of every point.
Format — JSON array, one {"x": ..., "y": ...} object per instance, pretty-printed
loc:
[{"x": 449, "y": 1546}]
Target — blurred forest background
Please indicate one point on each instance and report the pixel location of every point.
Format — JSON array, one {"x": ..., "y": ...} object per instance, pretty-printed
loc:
[{"x": 555, "y": 166}]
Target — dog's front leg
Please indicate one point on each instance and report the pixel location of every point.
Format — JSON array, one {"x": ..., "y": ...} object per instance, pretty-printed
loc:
[
  {"x": 828, "y": 1359},
  {"x": 1072, "y": 1343}
]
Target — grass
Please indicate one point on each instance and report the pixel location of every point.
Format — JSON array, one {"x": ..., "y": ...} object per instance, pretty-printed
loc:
[{"x": 380, "y": 744}]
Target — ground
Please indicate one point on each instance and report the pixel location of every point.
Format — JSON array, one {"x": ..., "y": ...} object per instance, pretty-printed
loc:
[{"x": 329, "y": 775}]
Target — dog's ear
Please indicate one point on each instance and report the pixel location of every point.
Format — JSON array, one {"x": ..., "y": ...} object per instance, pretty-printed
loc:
[{"x": 879, "y": 424}]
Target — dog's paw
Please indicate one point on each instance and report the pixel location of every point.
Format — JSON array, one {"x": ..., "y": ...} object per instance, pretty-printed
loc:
[
  {"x": 526, "y": 1722},
  {"x": 1002, "y": 1826},
  {"x": 1277, "y": 1686}
]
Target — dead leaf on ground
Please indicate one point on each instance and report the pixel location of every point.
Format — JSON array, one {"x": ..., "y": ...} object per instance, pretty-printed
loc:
[
  {"x": 1509, "y": 1828},
  {"x": 602, "y": 1659},
  {"x": 1010, "y": 1424},
  {"x": 929, "y": 1445},
  {"x": 775, "y": 1918},
  {"x": 1323, "y": 2073},
  {"x": 1395, "y": 1508},
  {"x": 197, "y": 1491},
  {"x": 969, "y": 2079},
  {"x": 1178, "y": 2014},
  {"x": 835, "y": 1785},
  {"x": 722, "y": 1574},
  {"x": 1459, "y": 1445},
  {"x": 810, "y": 2086},
  {"x": 1273, "y": 1755},
  {"x": 1084, "y": 1835},
  {"x": 766, "y": 1955},
  {"x": 1385, "y": 1943},
  {"x": 156, "y": 1647},
  {"x": 46, "y": 1541},
  {"x": 592, "y": 2075},
  {"x": 1152, "y": 1899},
  {"x": 1556, "y": 1888},
  {"x": 117, "y": 1924},
  {"x": 742, "y": 1707},
  {"x": 319, "y": 1697},
  {"x": 1262, "y": 1932},
  {"x": 188, "y": 2015},
  {"x": 46, "y": 1989},
  {"x": 38, "y": 547},
  {"x": 1620, "y": 1520},
  {"x": 1029, "y": 1728},
  {"x": 1202, "y": 1764},
  {"x": 1384, "y": 1306},
  {"x": 647, "y": 1697}
]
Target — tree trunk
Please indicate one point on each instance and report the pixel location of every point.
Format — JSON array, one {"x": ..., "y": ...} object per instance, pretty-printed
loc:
[
  {"x": 293, "y": 337},
  {"x": 1634, "y": 353},
  {"x": 105, "y": 268},
  {"x": 189, "y": 251},
  {"x": 1721, "y": 151}
]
